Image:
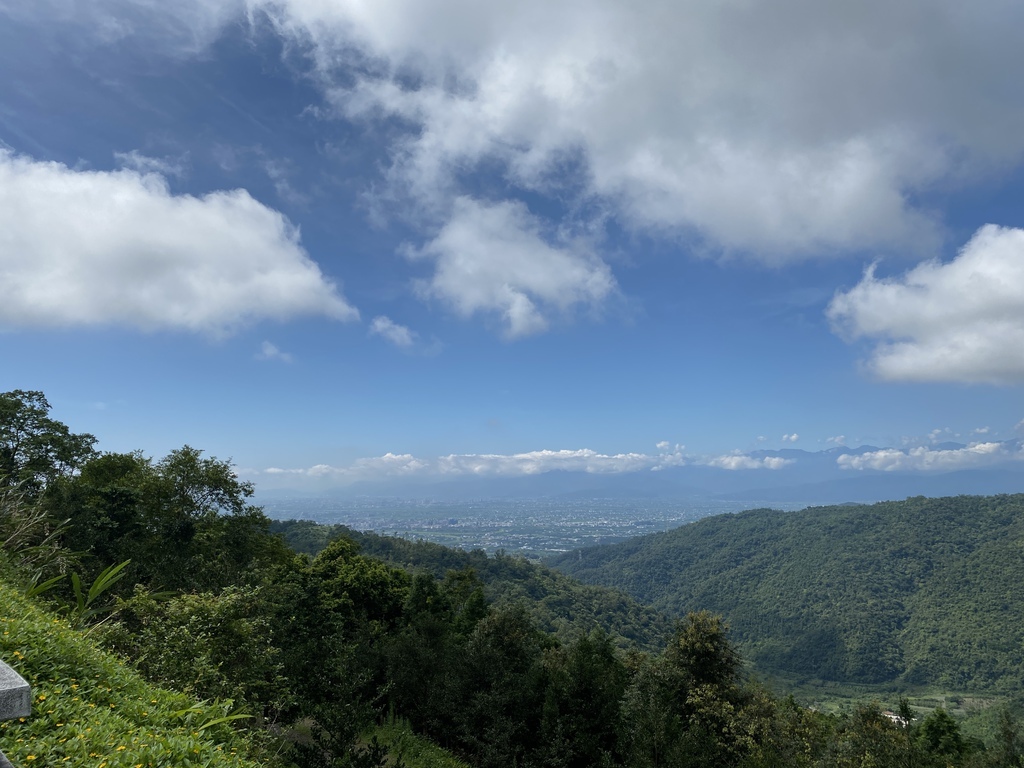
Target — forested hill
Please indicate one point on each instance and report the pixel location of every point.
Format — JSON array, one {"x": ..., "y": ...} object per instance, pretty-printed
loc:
[
  {"x": 557, "y": 603},
  {"x": 921, "y": 591}
]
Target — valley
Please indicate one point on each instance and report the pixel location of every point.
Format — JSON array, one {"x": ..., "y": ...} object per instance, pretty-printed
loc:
[{"x": 535, "y": 528}]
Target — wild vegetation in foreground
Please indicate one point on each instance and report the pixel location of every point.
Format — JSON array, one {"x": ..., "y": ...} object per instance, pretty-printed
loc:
[{"x": 300, "y": 659}]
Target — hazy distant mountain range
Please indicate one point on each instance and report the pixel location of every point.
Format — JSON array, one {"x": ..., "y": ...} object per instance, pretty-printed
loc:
[{"x": 837, "y": 475}]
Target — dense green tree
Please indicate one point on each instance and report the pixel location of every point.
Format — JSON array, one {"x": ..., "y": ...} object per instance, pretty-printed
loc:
[
  {"x": 503, "y": 689},
  {"x": 701, "y": 652},
  {"x": 582, "y": 701},
  {"x": 184, "y": 521},
  {"x": 652, "y": 725},
  {"x": 105, "y": 506},
  {"x": 1008, "y": 751},
  {"x": 869, "y": 738},
  {"x": 940, "y": 738},
  {"x": 365, "y": 592},
  {"x": 327, "y": 674},
  {"x": 35, "y": 449}
]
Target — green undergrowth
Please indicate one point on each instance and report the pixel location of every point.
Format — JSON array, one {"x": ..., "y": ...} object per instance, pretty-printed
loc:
[
  {"x": 407, "y": 749},
  {"x": 90, "y": 709}
]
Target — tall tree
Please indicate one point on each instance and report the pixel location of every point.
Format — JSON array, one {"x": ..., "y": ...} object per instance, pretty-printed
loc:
[
  {"x": 581, "y": 714},
  {"x": 184, "y": 521},
  {"x": 35, "y": 449}
]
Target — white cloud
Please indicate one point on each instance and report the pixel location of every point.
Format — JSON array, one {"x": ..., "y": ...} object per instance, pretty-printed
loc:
[
  {"x": 491, "y": 464},
  {"x": 493, "y": 258},
  {"x": 664, "y": 445},
  {"x": 100, "y": 248},
  {"x": 737, "y": 461},
  {"x": 529, "y": 463},
  {"x": 538, "y": 462},
  {"x": 390, "y": 464},
  {"x": 837, "y": 440},
  {"x": 981, "y": 431},
  {"x": 790, "y": 438},
  {"x": 957, "y": 321},
  {"x": 279, "y": 172},
  {"x": 398, "y": 335},
  {"x": 789, "y": 129},
  {"x": 270, "y": 351},
  {"x": 786, "y": 130},
  {"x": 928, "y": 459},
  {"x": 137, "y": 161}
]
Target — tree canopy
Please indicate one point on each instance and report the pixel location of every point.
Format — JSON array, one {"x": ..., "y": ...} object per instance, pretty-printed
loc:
[{"x": 34, "y": 448}]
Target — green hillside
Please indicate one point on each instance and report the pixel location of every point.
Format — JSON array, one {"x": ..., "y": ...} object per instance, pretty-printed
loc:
[
  {"x": 556, "y": 603},
  {"x": 921, "y": 591}
]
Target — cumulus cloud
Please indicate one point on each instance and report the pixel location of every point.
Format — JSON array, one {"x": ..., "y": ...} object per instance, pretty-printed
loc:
[
  {"x": 386, "y": 328},
  {"x": 493, "y": 258},
  {"x": 737, "y": 461},
  {"x": 928, "y": 459},
  {"x": 269, "y": 351},
  {"x": 782, "y": 131},
  {"x": 837, "y": 440},
  {"x": 787, "y": 129},
  {"x": 790, "y": 438},
  {"x": 101, "y": 248},
  {"x": 958, "y": 321}
]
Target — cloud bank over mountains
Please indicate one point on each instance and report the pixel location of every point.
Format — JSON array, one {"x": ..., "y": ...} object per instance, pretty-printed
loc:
[
  {"x": 944, "y": 458},
  {"x": 925, "y": 459}
]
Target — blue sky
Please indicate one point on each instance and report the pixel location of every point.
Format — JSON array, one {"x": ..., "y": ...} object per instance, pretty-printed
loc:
[{"x": 337, "y": 240}]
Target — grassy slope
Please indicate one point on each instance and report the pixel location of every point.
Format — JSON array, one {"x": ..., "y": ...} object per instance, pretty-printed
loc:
[
  {"x": 920, "y": 592},
  {"x": 90, "y": 709}
]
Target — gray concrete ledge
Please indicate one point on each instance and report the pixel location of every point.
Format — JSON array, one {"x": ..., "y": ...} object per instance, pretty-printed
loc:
[
  {"x": 15, "y": 700},
  {"x": 15, "y": 694}
]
